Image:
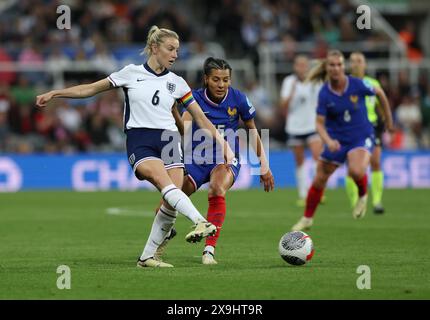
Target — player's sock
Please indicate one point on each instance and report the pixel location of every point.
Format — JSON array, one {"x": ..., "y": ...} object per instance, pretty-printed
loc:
[
  {"x": 210, "y": 249},
  {"x": 377, "y": 187},
  {"x": 216, "y": 216},
  {"x": 179, "y": 200},
  {"x": 301, "y": 181},
  {"x": 351, "y": 190},
  {"x": 312, "y": 201},
  {"x": 163, "y": 223},
  {"x": 362, "y": 185}
]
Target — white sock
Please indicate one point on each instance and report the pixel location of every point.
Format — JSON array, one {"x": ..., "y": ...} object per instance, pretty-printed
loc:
[
  {"x": 210, "y": 249},
  {"x": 179, "y": 200},
  {"x": 163, "y": 223},
  {"x": 301, "y": 182}
]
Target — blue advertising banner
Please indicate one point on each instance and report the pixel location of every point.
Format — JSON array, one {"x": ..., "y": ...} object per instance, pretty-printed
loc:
[{"x": 92, "y": 172}]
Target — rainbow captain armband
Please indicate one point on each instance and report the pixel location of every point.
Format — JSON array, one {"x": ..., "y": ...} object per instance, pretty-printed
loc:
[{"x": 187, "y": 99}]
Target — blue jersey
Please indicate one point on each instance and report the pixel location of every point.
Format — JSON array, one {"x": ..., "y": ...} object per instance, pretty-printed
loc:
[
  {"x": 225, "y": 117},
  {"x": 346, "y": 114}
]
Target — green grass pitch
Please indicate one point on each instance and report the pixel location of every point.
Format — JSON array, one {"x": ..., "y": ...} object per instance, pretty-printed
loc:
[{"x": 100, "y": 235}]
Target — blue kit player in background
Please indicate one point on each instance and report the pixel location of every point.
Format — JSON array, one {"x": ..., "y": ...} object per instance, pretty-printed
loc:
[
  {"x": 224, "y": 106},
  {"x": 344, "y": 127}
]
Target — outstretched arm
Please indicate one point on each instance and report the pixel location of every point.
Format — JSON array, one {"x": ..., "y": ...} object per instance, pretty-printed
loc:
[
  {"x": 203, "y": 122},
  {"x": 80, "y": 91},
  {"x": 266, "y": 177},
  {"x": 388, "y": 118},
  {"x": 178, "y": 120}
]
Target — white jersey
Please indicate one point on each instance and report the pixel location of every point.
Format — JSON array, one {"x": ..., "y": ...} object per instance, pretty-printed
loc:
[
  {"x": 301, "y": 116},
  {"x": 149, "y": 97}
]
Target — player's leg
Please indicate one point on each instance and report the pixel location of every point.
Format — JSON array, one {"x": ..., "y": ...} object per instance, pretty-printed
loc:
[
  {"x": 166, "y": 211},
  {"x": 358, "y": 162},
  {"x": 299, "y": 158},
  {"x": 316, "y": 147},
  {"x": 154, "y": 171},
  {"x": 351, "y": 190},
  {"x": 221, "y": 179},
  {"x": 188, "y": 188},
  {"x": 377, "y": 178},
  {"x": 324, "y": 170}
]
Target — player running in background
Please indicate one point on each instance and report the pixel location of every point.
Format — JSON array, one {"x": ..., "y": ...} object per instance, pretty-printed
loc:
[
  {"x": 224, "y": 106},
  {"x": 298, "y": 101},
  {"x": 358, "y": 69},
  {"x": 150, "y": 91},
  {"x": 345, "y": 129}
]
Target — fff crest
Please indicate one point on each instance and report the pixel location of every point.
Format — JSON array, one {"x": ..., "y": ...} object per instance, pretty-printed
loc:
[
  {"x": 232, "y": 111},
  {"x": 354, "y": 100}
]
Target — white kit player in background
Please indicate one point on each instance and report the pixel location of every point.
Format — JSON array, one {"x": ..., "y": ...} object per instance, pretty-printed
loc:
[
  {"x": 299, "y": 101},
  {"x": 150, "y": 93}
]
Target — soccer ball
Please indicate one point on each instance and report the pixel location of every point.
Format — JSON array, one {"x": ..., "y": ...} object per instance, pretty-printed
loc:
[{"x": 296, "y": 248}]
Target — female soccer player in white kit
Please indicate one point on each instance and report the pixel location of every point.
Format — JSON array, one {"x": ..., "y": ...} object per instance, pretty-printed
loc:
[
  {"x": 299, "y": 102},
  {"x": 153, "y": 148}
]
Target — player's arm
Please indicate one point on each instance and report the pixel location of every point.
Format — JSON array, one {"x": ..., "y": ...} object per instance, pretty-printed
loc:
[
  {"x": 203, "y": 122},
  {"x": 266, "y": 177},
  {"x": 332, "y": 144},
  {"x": 187, "y": 120},
  {"x": 178, "y": 119},
  {"x": 80, "y": 91},
  {"x": 286, "y": 100},
  {"x": 385, "y": 105}
]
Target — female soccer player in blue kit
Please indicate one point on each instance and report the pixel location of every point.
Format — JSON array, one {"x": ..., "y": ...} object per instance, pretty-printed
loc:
[
  {"x": 344, "y": 127},
  {"x": 224, "y": 106}
]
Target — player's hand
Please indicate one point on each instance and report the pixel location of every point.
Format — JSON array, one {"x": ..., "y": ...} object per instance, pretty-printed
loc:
[
  {"x": 43, "y": 99},
  {"x": 333, "y": 145},
  {"x": 389, "y": 127},
  {"x": 266, "y": 179},
  {"x": 229, "y": 156}
]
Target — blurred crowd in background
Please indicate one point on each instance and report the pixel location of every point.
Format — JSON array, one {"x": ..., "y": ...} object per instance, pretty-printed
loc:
[{"x": 103, "y": 30}]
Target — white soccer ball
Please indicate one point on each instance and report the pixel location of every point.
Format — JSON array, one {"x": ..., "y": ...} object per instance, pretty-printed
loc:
[{"x": 296, "y": 248}]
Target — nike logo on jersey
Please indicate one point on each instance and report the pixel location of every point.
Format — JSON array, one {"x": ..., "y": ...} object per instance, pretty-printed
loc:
[
  {"x": 138, "y": 80},
  {"x": 205, "y": 112}
]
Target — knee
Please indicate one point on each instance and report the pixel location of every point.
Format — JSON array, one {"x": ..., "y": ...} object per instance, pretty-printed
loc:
[
  {"x": 356, "y": 173},
  {"x": 216, "y": 191},
  {"x": 142, "y": 173}
]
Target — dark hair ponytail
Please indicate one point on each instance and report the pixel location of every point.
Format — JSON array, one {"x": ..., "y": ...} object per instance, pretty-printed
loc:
[{"x": 214, "y": 63}]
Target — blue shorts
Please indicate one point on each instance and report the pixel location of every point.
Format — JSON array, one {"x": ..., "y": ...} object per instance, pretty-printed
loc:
[
  {"x": 339, "y": 157},
  {"x": 154, "y": 144},
  {"x": 199, "y": 174}
]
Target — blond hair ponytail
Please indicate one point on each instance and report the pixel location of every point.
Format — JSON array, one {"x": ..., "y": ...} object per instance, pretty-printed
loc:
[
  {"x": 156, "y": 36},
  {"x": 319, "y": 72}
]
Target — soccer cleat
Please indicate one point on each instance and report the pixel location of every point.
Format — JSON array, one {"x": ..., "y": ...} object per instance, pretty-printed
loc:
[
  {"x": 378, "y": 209},
  {"x": 162, "y": 247},
  {"x": 360, "y": 208},
  {"x": 201, "y": 230},
  {"x": 303, "y": 224},
  {"x": 152, "y": 263},
  {"x": 208, "y": 258}
]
